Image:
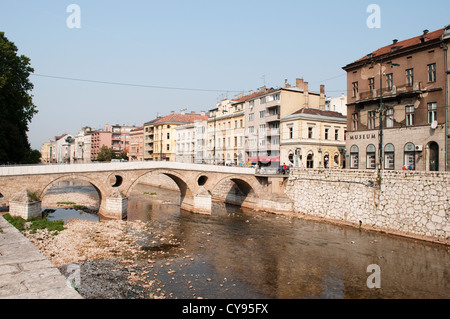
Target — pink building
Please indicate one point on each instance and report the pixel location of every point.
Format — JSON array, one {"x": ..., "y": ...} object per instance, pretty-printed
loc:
[
  {"x": 98, "y": 139},
  {"x": 136, "y": 152}
]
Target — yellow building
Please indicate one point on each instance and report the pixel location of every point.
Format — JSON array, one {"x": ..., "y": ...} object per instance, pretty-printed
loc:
[
  {"x": 313, "y": 138},
  {"x": 226, "y": 133},
  {"x": 46, "y": 152},
  {"x": 160, "y": 135}
]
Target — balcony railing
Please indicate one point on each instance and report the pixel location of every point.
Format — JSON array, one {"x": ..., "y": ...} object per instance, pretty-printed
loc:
[{"x": 395, "y": 90}]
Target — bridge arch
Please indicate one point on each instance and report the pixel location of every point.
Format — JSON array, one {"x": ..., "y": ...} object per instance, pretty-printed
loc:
[
  {"x": 237, "y": 190},
  {"x": 102, "y": 193},
  {"x": 178, "y": 178}
]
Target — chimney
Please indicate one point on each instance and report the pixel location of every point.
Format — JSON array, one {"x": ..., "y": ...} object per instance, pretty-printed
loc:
[
  {"x": 425, "y": 31},
  {"x": 322, "y": 97},
  {"x": 182, "y": 112},
  {"x": 202, "y": 113},
  {"x": 172, "y": 112},
  {"x": 299, "y": 83},
  {"x": 394, "y": 41},
  {"x": 286, "y": 84},
  {"x": 192, "y": 112},
  {"x": 106, "y": 127},
  {"x": 306, "y": 93}
]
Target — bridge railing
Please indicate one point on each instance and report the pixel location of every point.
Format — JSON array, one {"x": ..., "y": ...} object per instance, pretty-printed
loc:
[{"x": 119, "y": 166}]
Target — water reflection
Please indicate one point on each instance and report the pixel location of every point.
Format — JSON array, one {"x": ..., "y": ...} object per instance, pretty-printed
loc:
[{"x": 245, "y": 254}]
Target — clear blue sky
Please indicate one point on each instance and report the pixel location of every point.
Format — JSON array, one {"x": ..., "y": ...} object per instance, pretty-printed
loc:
[{"x": 212, "y": 45}]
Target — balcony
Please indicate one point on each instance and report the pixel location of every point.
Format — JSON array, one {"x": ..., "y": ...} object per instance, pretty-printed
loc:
[
  {"x": 374, "y": 94},
  {"x": 272, "y": 117}
]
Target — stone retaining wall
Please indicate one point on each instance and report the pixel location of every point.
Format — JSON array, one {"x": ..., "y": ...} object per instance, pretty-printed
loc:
[{"x": 406, "y": 202}]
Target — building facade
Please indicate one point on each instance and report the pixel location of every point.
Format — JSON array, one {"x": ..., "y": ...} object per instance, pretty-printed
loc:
[
  {"x": 225, "y": 134},
  {"x": 136, "y": 152},
  {"x": 46, "y": 152},
  {"x": 406, "y": 80},
  {"x": 263, "y": 110},
  {"x": 161, "y": 134},
  {"x": 82, "y": 146},
  {"x": 313, "y": 138},
  {"x": 99, "y": 138},
  {"x": 120, "y": 138}
]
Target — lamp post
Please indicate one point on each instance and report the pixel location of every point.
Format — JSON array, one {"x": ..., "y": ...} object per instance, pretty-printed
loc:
[{"x": 380, "y": 146}]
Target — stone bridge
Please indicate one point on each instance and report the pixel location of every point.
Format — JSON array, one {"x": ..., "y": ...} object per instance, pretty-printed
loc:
[{"x": 25, "y": 186}]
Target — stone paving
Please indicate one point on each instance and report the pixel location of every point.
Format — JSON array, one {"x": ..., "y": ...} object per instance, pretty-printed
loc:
[{"x": 25, "y": 273}]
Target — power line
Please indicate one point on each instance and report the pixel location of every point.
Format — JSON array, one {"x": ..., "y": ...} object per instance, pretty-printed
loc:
[{"x": 133, "y": 85}]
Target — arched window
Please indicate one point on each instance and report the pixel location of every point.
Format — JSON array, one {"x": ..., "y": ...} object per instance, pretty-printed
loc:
[
  {"x": 410, "y": 156},
  {"x": 371, "y": 156},
  {"x": 354, "y": 157},
  {"x": 389, "y": 154},
  {"x": 326, "y": 160},
  {"x": 291, "y": 157},
  {"x": 336, "y": 163},
  {"x": 310, "y": 160}
]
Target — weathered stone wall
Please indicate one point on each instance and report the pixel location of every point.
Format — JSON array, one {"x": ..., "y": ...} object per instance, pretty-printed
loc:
[{"x": 405, "y": 202}]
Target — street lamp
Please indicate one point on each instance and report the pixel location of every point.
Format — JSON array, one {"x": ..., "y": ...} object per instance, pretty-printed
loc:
[{"x": 380, "y": 147}]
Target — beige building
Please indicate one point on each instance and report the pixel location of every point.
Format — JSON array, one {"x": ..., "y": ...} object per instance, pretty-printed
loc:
[
  {"x": 46, "y": 152},
  {"x": 263, "y": 110},
  {"x": 225, "y": 134},
  {"x": 160, "y": 135},
  {"x": 136, "y": 152},
  {"x": 413, "y": 77},
  {"x": 313, "y": 138}
]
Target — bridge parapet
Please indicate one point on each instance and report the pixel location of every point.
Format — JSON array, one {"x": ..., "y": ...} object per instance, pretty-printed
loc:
[{"x": 119, "y": 166}]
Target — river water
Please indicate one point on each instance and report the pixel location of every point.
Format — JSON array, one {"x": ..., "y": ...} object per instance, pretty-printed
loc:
[{"x": 237, "y": 253}]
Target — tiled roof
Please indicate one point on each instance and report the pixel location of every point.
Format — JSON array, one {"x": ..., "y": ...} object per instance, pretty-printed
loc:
[
  {"x": 180, "y": 118},
  {"x": 251, "y": 96},
  {"x": 314, "y": 111},
  {"x": 400, "y": 45}
]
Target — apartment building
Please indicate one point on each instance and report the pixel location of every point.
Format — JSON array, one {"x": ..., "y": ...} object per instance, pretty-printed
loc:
[
  {"x": 99, "y": 138},
  {"x": 63, "y": 149},
  {"x": 263, "y": 110},
  {"x": 120, "y": 138},
  {"x": 313, "y": 138},
  {"x": 225, "y": 134},
  {"x": 397, "y": 109},
  {"x": 46, "y": 152},
  {"x": 136, "y": 152},
  {"x": 82, "y": 146},
  {"x": 160, "y": 134}
]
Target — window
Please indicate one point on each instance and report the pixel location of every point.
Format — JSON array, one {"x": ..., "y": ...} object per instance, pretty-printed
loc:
[
  {"x": 262, "y": 129},
  {"x": 262, "y": 114},
  {"x": 276, "y": 96},
  {"x": 410, "y": 156},
  {"x": 251, "y": 129},
  {"x": 389, "y": 152},
  {"x": 371, "y": 157},
  {"x": 291, "y": 132},
  {"x": 390, "y": 117},
  {"x": 371, "y": 84},
  {"x": 432, "y": 112},
  {"x": 326, "y": 133},
  {"x": 409, "y": 115},
  {"x": 410, "y": 77},
  {"x": 354, "y": 157},
  {"x": 168, "y": 147},
  {"x": 168, "y": 136},
  {"x": 390, "y": 81},
  {"x": 251, "y": 104},
  {"x": 262, "y": 100},
  {"x": 372, "y": 120},
  {"x": 355, "y": 121},
  {"x": 432, "y": 72},
  {"x": 336, "y": 134},
  {"x": 251, "y": 116},
  {"x": 310, "y": 160},
  {"x": 355, "y": 89},
  {"x": 310, "y": 132}
]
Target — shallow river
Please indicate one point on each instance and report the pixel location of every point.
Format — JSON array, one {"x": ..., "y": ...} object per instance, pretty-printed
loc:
[{"x": 245, "y": 254}]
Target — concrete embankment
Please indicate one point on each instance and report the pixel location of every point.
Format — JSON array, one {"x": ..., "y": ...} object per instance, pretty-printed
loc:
[{"x": 25, "y": 273}]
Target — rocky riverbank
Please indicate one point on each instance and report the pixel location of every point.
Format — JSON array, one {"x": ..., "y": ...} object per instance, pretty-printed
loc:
[{"x": 116, "y": 259}]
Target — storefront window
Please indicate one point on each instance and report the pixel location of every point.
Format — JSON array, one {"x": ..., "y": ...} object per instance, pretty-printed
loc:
[
  {"x": 371, "y": 157},
  {"x": 389, "y": 152},
  {"x": 410, "y": 156},
  {"x": 354, "y": 157}
]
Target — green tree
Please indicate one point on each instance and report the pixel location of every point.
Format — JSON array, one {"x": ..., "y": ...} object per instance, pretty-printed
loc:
[
  {"x": 105, "y": 154},
  {"x": 16, "y": 105}
]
